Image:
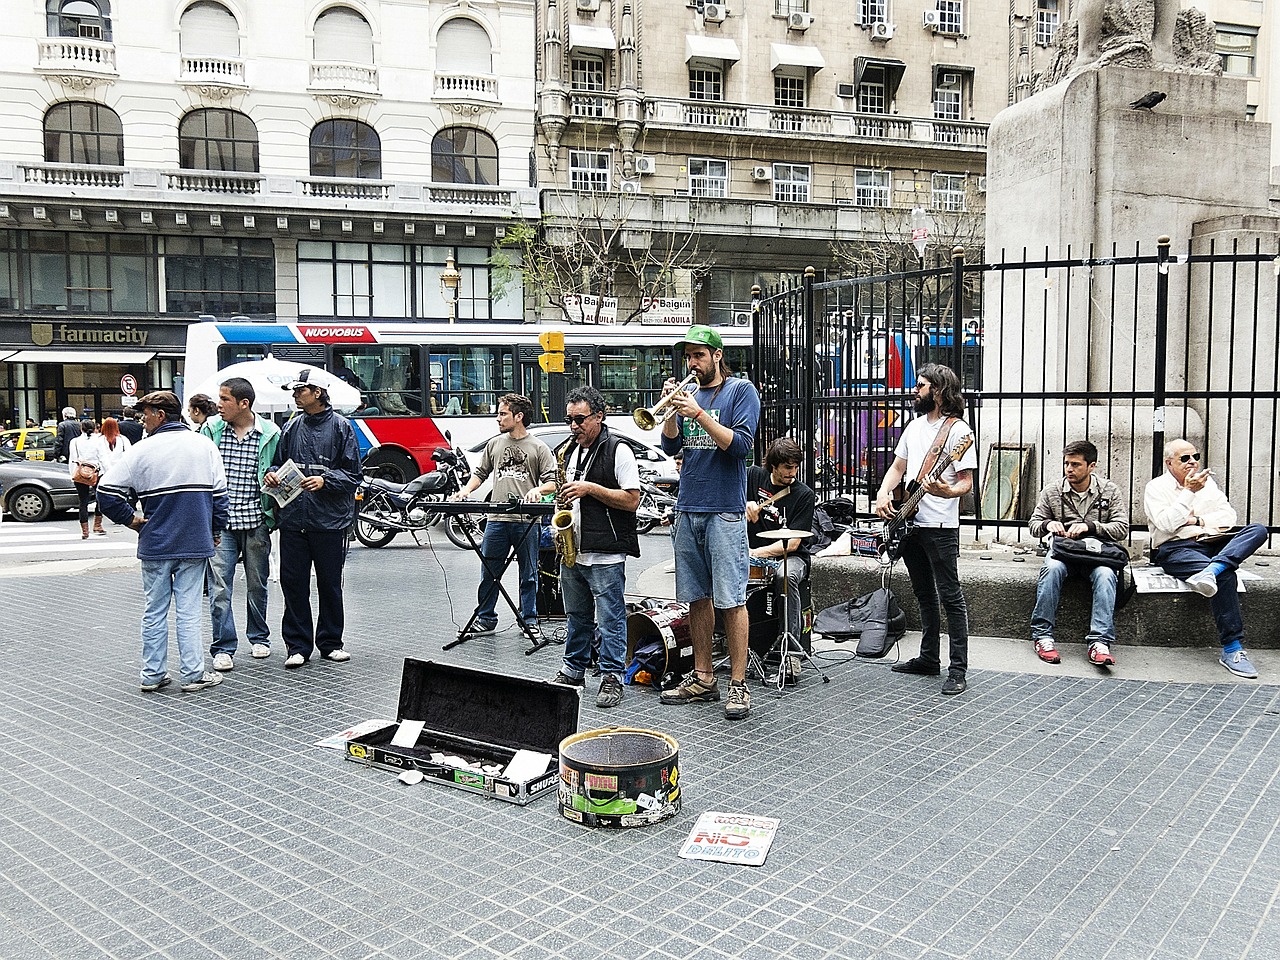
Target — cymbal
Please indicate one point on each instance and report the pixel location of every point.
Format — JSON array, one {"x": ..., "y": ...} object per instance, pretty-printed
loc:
[{"x": 785, "y": 534}]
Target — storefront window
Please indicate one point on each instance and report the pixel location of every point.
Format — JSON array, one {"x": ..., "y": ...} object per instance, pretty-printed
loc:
[{"x": 87, "y": 273}]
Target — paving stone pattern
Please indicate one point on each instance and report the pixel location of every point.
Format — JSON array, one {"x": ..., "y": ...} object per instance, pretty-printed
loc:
[{"x": 1032, "y": 817}]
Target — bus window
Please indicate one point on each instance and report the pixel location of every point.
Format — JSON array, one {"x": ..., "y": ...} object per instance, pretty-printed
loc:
[
  {"x": 388, "y": 377},
  {"x": 631, "y": 377},
  {"x": 229, "y": 353},
  {"x": 471, "y": 379}
]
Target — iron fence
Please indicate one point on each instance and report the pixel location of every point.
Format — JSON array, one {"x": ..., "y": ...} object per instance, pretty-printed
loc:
[{"x": 1128, "y": 350}]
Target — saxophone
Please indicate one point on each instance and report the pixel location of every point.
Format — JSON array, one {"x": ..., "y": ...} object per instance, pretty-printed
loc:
[{"x": 564, "y": 520}]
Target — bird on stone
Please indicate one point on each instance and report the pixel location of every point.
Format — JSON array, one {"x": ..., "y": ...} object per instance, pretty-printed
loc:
[{"x": 1148, "y": 101}]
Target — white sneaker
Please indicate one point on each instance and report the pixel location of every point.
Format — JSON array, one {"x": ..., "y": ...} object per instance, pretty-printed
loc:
[
  {"x": 295, "y": 661},
  {"x": 337, "y": 656},
  {"x": 208, "y": 680},
  {"x": 1204, "y": 582},
  {"x": 261, "y": 651},
  {"x": 223, "y": 662}
]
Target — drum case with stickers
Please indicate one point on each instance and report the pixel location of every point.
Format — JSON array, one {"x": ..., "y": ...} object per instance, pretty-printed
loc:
[{"x": 476, "y": 714}]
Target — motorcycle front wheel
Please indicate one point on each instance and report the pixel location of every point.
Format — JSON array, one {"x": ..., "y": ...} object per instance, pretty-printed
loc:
[
  {"x": 371, "y": 533},
  {"x": 456, "y": 524}
]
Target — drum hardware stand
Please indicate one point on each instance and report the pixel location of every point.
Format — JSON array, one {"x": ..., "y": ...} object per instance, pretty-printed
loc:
[{"x": 787, "y": 644}]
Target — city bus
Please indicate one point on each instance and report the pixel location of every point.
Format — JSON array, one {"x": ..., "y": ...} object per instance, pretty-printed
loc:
[{"x": 419, "y": 380}]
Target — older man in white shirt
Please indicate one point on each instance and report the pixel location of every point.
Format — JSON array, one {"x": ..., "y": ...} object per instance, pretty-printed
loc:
[{"x": 1194, "y": 538}]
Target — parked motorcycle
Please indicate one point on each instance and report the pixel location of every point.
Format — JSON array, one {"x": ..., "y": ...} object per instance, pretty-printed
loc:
[
  {"x": 656, "y": 507},
  {"x": 385, "y": 509}
]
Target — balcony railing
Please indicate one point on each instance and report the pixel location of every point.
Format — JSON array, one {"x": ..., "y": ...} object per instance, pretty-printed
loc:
[
  {"x": 214, "y": 181},
  {"x": 75, "y": 55},
  {"x": 767, "y": 120},
  {"x": 72, "y": 175},
  {"x": 593, "y": 106},
  {"x": 466, "y": 86},
  {"x": 340, "y": 77},
  {"x": 223, "y": 71},
  {"x": 346, "y": 189},
  {"x": 82, "y": 182},
  {"x": 478, "y": 196}
]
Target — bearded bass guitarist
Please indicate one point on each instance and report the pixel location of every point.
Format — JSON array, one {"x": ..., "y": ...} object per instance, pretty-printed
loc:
[{"x": 931, "y": 550}]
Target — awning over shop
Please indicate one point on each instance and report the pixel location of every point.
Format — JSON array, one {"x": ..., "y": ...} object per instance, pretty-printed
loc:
[
  {"x": 893, "y": 71},
  {"x": 591, "y": 38},
  {"x": 81, "y": 356},
  {"x": 710, "y": 48},
  {"x": 792, "y": 55},
  {"x": 5, "y": 355}
]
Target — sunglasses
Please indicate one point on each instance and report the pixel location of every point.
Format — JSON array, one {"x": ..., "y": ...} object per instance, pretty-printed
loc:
[
  {"x": 578, "y": 419},
  {"x": 1188, "y": 457}
]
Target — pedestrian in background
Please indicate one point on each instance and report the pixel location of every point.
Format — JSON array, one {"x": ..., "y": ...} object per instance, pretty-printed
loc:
[
  {"x": 178, "y": 479},
  {"x": 84, "y": 461},
  {"x": 130, "y": 427},
  {"x": 67, "y": 431},
  {"x": 112, "y": 444},
  {"x": 313, "y": 527},
  {"x": 200, "y": 409}
]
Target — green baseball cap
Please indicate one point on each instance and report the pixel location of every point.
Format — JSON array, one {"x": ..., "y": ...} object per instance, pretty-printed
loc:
[{"x": 704, "y": 336}]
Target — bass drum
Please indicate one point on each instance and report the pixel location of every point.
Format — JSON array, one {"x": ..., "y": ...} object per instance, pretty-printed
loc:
[{"x": 669, "y": 624}]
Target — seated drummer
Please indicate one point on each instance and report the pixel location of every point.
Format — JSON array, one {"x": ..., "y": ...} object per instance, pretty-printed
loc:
[{"x": 781, "y": 472}]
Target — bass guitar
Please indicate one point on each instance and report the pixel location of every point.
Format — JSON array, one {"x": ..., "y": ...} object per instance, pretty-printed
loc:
[{"x": 897, "y": 528}]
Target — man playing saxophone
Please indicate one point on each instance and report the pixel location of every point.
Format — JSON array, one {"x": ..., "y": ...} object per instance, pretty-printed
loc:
[{"x": 599, "y": 482}]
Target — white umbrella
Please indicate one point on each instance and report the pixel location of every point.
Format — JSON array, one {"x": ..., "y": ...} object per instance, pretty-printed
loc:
[{"x": 269, "y": 378}]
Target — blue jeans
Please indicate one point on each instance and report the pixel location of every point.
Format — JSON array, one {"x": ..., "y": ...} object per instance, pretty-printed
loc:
[
  {"x": 180, "y": 582},
  {"x": 254, "y": 547},
  {"x": 932, "y": 556},
  {"x": 712, "y": 558},
  {"x": 500, "y": 537},
  {"x": 593, "y": 596},
  {"x": 1102, "y": 619},
  {"x": 1185, "y": 558}
]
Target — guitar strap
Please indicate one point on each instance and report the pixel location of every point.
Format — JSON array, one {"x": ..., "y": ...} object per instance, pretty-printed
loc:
[{"x": 930, "y": 461}]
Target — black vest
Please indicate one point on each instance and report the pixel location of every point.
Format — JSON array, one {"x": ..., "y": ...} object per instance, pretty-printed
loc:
[{"x": 604, "y": 529}]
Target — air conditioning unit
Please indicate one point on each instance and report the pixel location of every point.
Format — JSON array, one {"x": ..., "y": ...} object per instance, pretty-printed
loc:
[
  {"x": 950, "y": 79},
  {"x": 846, "y": 90},
  {"x": 982, "y": 184},
  {"x": 645, "y": 166},
  {"x": 882, "y": 31},
  {"x": 89, "y": 31},
  {"x": 589, "y": 6},
  {"x": 715, "y": 12},
  {"x": 800, "y": 21},
  {"x": 629, "y": 186},
  {"x": 742, "y": 318},
  {"x": 761, "y": 172},
  {"x": 932, "y": 19}
]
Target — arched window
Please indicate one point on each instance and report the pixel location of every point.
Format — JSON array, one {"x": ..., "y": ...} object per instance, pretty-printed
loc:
[
  {"x": 342, "y": 34},
  {"x": 209, "y": 30},
  {"x": 218, "y": 140},
  {"x": 83, "y": 132},
  {"x": 345, "y": 148},
  {"x": 464, "y": 155},
  {"x": 90, "y": 19},
  {"x": 462, "y": 46}
]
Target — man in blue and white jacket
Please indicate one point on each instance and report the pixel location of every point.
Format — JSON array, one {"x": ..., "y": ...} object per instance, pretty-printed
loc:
[{"x": 177, "y": 477}]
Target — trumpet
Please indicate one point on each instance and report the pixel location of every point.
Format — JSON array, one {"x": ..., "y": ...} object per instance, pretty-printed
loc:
[{"x": 647, "y": 418}]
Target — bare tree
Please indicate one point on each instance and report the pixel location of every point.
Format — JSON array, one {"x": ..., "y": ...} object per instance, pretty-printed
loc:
[{"x": 600, "y": 244}]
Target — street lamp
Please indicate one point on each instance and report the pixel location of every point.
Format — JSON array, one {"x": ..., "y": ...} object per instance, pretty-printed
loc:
[{"x": 450, "y": 278}]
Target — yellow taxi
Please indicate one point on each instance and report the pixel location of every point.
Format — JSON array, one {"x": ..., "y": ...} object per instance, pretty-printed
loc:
[{"x": 30, "y": 443}]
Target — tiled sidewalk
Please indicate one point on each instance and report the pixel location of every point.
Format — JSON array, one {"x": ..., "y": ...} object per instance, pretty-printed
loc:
[{"x": 1032, "y": 817}]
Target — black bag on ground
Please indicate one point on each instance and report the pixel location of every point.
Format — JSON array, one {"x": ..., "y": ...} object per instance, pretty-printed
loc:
[
  {"x": 875, "y": 620},
  {"x": 1089, "y": 551}
]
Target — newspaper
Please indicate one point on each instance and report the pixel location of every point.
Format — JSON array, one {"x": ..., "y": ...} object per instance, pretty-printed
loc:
[
  {"x": 290, "y": 477},
  {"x": 730, "y": 838}
]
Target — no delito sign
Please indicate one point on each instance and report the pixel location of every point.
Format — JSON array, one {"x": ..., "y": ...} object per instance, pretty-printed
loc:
[{"x": 128, "y": 385}]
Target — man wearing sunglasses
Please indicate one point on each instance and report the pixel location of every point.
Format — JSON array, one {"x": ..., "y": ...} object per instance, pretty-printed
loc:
[
  {"x": 1194, "y": 537},
  {"x": 602, "y": 487}
]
